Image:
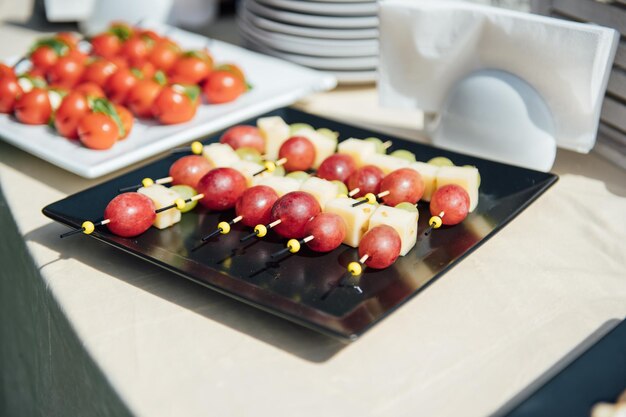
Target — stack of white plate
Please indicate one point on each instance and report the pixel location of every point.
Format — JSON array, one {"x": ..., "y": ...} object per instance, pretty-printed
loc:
[{"x": 335, "y": 36}]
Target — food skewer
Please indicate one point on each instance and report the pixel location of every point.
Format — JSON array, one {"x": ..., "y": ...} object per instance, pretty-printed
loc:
[
  {"x": 129, "y": 214},
  {"x": 449, "y": 206},
  {"x": 252, "y": 208},
  {"x": 399, "y": 186},
  {"x": 196, "y": 148},
  {"x": 324, "y": 233}
]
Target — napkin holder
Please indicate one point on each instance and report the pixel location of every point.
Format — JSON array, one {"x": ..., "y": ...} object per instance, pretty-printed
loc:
[{"x": 458, "y": 63}]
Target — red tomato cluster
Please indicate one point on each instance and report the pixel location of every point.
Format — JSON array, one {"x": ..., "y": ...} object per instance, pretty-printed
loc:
[{"x": 129, "y": 71}]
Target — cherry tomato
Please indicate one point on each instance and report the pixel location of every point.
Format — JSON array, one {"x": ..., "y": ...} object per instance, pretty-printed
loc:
[
  {"x": 72, "y": 109},
  {"x": 222, "y": 87},
  {"x": 149, "y": 34},
  {"x": 127, "y": 119},
  {"x": 99, "y": 71},
  {"x": 191, "y": 68},
  {"x": 69, "y": 38},
  {"x": 65, "y": 73},
  {"x": 164, "y": 55},
  {"x": 10, "y": 91},
  {"x": 98, "y": 131},
  {"x": 119, "y": 84},
  {"x": 106, "y": 45},
  {"x": 6, "y": 71},
  {"x": 79, "y": 56},
  {"x": 34, "y": 108},
  {"x": 89, "y": 90},
  {"x": 44, "y": 57},
  {"x": 142, "y": 96},
  {"x": 147, "y": 70},
  {"x": 175, "y": 104},
  {"x": 232, "y": 68},
  {"x": 135, "y": 50}
]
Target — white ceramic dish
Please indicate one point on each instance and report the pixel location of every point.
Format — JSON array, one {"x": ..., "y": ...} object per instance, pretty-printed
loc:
[
  {"x": 311, "y": 20},
  {"x": 149, "y": 138},
  {"x": 331, "y": 9},
  {"x": 322, "y": 63},
  {"x": 307, "y": 32},
  {"x": 314, "y": 47}
]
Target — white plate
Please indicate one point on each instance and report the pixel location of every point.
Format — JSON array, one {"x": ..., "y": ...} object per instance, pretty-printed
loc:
[
  {"x": 149, "y": 138},
  {"x": 315, "y": 47},
  {"x": 308, "y": 32},
  {"x": 354, "y": 77},
  {"x": 321, "y": 63},
  {"x": 330, "y": 9},
  {"x": 311, "y": 20}
]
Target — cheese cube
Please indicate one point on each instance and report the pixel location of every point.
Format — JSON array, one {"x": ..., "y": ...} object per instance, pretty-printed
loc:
[
  {"x": 282, "y": 185},
  {"x": 220, "y": 155},
  {"x": 161, "y": 197},
  {"x": 403, "y": 221},
  {"x": 387, "y": 163},
  {"x": 356, "y": 218},
  {"x": 248, "y": 169},
  {"x": 466, "y": 177},
  {"x": 321, "y": 189},
  {"x": 324, "y": 146},
  {"x": 275, "y": 132},
  {"x": 429, "y": 175},
  {"x": 360, "y": 150}
]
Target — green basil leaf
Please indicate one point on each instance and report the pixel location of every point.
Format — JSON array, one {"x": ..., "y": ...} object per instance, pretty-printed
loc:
[
  {"x": 192, "y": 91},
  {"x": 160, "y": 78},
  {"x": 121, "y": 31},
  {"x": 101, "y": 105},
  {"x": 59, "y": 47}
]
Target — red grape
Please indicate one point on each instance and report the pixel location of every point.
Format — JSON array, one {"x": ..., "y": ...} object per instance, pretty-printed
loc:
[
  {"x": 294, "y": 209},
  {"x": 382, "y": 244},
  {"x": 189, "y": 169},
  {"x": 221, "y": 187},
  {"x": 367, "y": 179},
  {"x": 328, "y": 231},
  {"x": 255, "y": 205},
  {"x": 453, "y": 201},
  {"x": 403, "y": 184},
  {"x": 131, "y": 214},
  {"x": 244, "y": 136},
  {"x": 300, "y": 153},
  {"x": 337, "y": 167}
]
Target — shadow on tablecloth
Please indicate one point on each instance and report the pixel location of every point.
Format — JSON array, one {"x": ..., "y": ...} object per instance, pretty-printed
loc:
[{"x": 265, "y": 327}]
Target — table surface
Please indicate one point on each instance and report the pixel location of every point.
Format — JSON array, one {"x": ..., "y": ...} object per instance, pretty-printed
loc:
[{"x": 162, "y": 346}]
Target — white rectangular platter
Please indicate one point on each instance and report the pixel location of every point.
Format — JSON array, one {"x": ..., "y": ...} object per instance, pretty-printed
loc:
[{"x": 276, "y": 83}]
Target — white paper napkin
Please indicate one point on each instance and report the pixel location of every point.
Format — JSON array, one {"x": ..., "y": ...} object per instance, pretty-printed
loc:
[{"x": 427, "y": 46}]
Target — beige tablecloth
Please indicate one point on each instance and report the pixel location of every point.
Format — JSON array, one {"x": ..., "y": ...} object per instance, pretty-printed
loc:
[{"x": 87, "y": 330}]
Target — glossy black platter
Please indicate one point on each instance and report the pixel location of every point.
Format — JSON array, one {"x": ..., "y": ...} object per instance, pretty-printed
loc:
[{"x": 297, "y": 287}]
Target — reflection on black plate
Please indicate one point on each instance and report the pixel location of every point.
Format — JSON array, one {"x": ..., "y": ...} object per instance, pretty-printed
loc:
[
  {"x": 294, "y": 288},
  {"x": 597, "y": 375}
]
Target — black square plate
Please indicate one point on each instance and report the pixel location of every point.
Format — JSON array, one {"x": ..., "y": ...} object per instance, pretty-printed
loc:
[{"x": 295, "y": 287}]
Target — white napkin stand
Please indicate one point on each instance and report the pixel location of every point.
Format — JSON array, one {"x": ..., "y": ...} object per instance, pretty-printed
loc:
[
  {"x": 495, "y": 83},
  {"x": 496, "y": 115}
]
